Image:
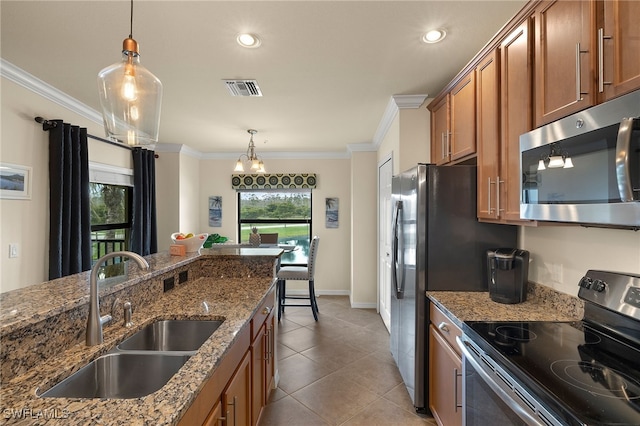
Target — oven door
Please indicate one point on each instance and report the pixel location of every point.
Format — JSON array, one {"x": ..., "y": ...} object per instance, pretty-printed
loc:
[{"x": 492, "y": 397}]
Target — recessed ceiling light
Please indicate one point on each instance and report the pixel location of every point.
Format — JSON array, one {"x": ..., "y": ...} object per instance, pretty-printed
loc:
[
  {"x": 434, "y": 36},
  {"x": 248, "y": 40}
]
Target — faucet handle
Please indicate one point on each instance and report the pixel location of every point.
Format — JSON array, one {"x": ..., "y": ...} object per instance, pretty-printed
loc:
[{"x": 127, "y": 314}]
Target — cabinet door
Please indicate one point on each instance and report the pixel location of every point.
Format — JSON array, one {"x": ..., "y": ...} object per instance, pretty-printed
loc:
[
  {"x": 440, "y": 132},
  {"x": 564, "y": 58},
  {"x": 463, "y": 118},
  {"x": 515, "y": 77},
  {"x": 488, "y": 133},
  {"x": 258, "y": 356},
  {"x": 236, "y": 398},
  {"x": 445, "y": 381},
  {"x": 620, "y": 44},
  {"x": 215, "y": 416}
]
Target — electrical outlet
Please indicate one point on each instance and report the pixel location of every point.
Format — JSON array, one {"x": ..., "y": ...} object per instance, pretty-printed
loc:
[
  {"x": 556, "y": 272},
  {"x": 13, "y": 250}
]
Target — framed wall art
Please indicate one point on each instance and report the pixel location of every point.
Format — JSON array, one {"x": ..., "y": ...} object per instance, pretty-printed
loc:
[
  {"x": 15, "y": 181},
  {"x": 215, "y": 211},
  {"x": 332, "y": 207}
]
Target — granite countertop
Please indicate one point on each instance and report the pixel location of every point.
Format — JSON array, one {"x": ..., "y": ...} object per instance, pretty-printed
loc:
[
  {"x": 233, "y": 300},
  {"x": 478, "y": 306}
]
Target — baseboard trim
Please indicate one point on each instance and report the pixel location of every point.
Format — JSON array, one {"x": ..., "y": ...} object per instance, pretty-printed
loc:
[
  {"x": 319, "y": 293},
  {"x": 364, "y": 305}
]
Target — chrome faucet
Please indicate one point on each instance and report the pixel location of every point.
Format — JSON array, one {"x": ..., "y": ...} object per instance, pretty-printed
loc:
[{"x": 95, "y": 321}]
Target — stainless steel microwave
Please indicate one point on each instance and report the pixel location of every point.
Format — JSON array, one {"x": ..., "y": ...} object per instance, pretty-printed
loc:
[{"x": 585, "y": 168}]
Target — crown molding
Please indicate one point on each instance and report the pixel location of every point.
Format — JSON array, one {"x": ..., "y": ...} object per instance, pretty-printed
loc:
[
  {"x": 395, "y": 104},
  {"x": 39, "y": 87},
  {"x": 281, "y": 156}
]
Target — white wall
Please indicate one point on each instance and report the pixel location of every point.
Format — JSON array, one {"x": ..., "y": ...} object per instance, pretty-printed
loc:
[{"x": 562, "y": 254}]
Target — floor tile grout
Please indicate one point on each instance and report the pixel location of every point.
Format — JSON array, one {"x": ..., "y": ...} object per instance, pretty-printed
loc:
[{"x": 337, "y": 379}]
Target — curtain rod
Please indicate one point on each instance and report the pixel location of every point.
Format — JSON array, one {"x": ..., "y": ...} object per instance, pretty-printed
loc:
[{"x": 48, "y": 124}]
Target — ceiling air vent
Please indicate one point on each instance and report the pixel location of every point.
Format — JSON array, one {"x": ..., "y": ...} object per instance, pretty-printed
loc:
[{"x": 243, "y": 87}]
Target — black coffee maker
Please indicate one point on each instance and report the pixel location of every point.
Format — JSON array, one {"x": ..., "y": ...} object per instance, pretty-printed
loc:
[{"x": 508, "y": 274}]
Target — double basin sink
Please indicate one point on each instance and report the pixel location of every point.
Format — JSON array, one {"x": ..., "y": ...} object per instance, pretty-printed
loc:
[{"x": 141, "y": 364}]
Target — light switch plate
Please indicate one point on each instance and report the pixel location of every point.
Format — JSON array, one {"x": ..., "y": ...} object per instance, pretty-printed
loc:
[{"x": 13, "y": 250}]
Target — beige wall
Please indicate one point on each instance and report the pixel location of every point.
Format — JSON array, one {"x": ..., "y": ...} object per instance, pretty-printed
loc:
[
  {"x": 167, "y": 196},
  {"x": 334, "y": 260},
  {"x": 364, "y": 194},
  {"x": 414, "y": 128},
  {"x": 23, "y": 142},
  {"x": 562, "y": 254}
]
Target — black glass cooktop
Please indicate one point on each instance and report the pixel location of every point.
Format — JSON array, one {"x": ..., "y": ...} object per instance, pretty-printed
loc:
[{"x": 583, "y": 375}]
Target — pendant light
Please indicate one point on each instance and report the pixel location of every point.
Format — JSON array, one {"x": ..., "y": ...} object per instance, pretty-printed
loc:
[
  {"x": 254, "y": 162},
  {"x": 130, "y": 97}
]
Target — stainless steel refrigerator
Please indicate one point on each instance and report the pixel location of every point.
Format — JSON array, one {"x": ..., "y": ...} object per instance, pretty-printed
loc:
[{"x": 438, "y": 244}]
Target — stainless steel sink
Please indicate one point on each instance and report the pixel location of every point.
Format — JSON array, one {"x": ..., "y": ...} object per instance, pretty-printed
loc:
[
  {"x": 120, "y": 375},
  {"x": 170, "y": 336}
]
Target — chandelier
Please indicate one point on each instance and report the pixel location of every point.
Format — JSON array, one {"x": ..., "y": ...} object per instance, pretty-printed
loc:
[
  {"x": 130, "y": 97},
  {"x": 557, "y": 158},
  {"x": 252, "y": 161}
]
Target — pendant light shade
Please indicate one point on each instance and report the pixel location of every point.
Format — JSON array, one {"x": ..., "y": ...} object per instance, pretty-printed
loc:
[
  {"x": 253, "y": 162},
  {"x": 130, "y": 97}
]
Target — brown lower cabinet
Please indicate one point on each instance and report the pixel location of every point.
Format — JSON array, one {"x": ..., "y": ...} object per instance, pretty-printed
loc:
[
  {"x": 239, "y": 389},
  {"x": 445, "y": 370}
]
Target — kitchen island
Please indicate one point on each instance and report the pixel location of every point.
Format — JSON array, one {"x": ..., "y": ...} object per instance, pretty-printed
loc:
[{"x": 220, "y": 284}]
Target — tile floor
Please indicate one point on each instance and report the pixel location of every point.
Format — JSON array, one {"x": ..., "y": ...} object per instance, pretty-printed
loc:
[{"x": 338, "y": 371}]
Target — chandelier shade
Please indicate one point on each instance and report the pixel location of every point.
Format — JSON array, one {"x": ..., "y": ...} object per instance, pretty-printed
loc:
[
  {"x": 250, "y": 160},
  {"x": 130, "y": 98}
]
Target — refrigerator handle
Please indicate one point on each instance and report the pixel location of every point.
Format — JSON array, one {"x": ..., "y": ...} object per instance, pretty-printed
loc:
[{"x": 397, "y": 244}]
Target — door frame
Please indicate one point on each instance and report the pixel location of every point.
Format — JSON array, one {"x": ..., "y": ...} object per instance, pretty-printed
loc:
[{"x": 386, "y": 159}]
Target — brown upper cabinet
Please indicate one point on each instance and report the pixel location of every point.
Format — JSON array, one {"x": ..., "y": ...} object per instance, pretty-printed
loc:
[
  {"x": 618, "y": 38},
  {"x": 463, "y": 118},
  {"x": 454, "y": 123},
  {"x": 586, "y": 52},
  {"x": 564, "y": 58},
  {"x": 440, "y": 131}
]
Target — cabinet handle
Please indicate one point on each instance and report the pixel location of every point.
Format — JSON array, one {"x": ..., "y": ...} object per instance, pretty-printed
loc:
[
  {"x": 456, "y": 374},
  {"x": 498, "y": 182},
  {"x": 233, "y": 404},
  {"x": 267, "y": 346},
  {"x": 601, "y": 38},
  {"x": 579, "y": 91},
  {"x": 222, "y": 419},
  {"x": 489, "y": 209},
  {"x": 444, "y": 327},
  {"x": 266, "y": 310}
]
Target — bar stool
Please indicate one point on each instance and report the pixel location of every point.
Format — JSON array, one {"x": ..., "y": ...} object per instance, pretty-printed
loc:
[{"x": 302, "y": 273}]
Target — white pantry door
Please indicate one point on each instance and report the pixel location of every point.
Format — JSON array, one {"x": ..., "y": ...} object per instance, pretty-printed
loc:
[{"x": 385, "y": 173}]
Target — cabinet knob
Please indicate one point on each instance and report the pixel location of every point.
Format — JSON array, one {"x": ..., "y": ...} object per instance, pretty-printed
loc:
[{"x": 266, "y": 310}]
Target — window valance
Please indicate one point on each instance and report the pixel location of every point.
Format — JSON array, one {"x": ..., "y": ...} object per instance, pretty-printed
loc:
[{"x": 274, "y": 181}]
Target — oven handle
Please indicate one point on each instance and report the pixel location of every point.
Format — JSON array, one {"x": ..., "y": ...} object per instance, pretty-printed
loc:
[{"x": 501, "y": 393}]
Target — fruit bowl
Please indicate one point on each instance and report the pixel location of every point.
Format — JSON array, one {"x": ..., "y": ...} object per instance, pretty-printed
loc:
[{"x": 192, "y": 243}]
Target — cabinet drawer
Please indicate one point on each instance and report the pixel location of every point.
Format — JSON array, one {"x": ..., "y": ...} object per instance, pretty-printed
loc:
[
  {"x": 262, "y": 313},
  {"x": 447, "y": 329}
]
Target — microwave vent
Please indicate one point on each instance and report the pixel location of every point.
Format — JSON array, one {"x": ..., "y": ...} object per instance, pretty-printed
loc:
[{"x": 243, "y": 87}]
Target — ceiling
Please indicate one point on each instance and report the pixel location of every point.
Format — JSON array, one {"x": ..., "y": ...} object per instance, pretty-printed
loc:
[{"x": 327, "y": 69}]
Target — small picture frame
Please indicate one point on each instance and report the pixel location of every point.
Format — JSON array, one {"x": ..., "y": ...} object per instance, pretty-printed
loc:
[
  {"x": 332, "y": 209},
  {"x": 215, "y": 211},
  {"x": 15, "y": 182}
]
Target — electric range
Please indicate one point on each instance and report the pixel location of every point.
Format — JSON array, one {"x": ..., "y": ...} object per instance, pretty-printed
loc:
[{"x": 560, "y": 373}]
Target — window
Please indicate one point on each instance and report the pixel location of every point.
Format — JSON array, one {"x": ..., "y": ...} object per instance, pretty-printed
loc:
[
  {"x": 285, "y": 212},
  {"x": 110, "y": 219}
]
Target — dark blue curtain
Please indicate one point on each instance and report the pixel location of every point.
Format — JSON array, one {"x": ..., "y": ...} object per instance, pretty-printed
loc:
[
  {"x": 144, "y": 238},
  {"x": 69, "y": 209}
]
